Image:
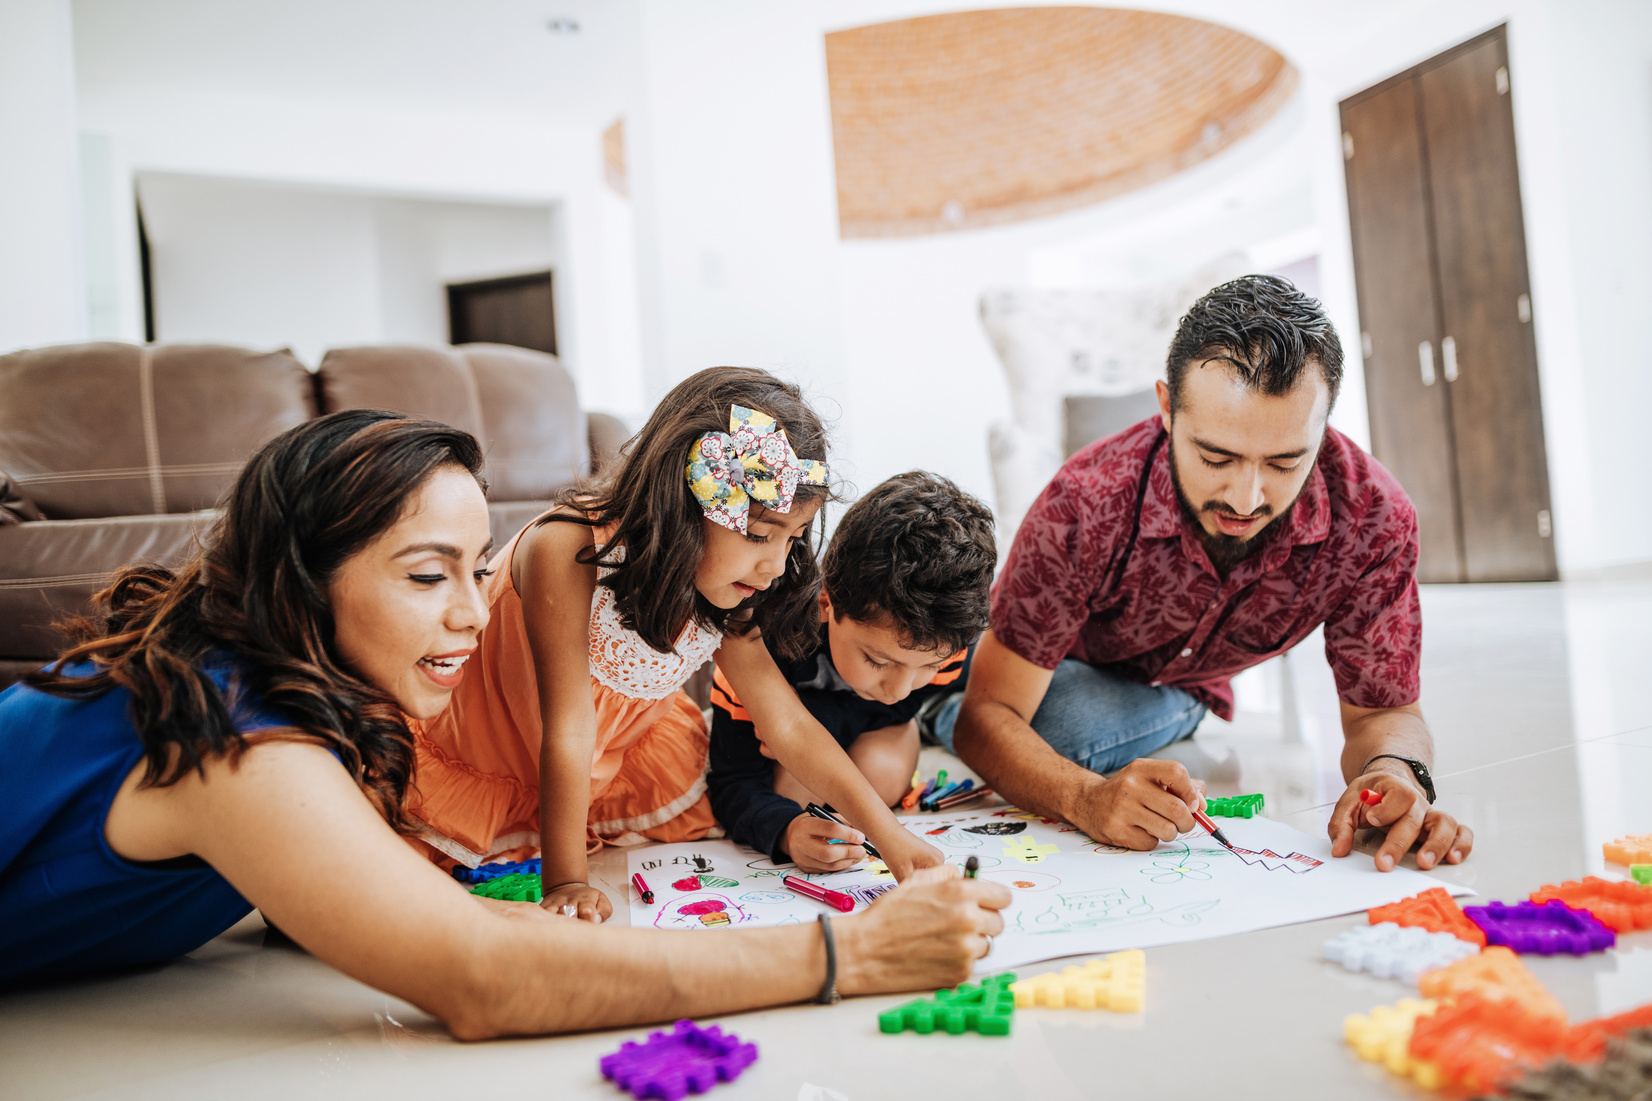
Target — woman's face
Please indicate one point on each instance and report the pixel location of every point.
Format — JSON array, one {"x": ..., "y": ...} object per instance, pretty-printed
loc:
[
  {"x": 737, "y": 566},
  {"x": 408, "y": 607}
]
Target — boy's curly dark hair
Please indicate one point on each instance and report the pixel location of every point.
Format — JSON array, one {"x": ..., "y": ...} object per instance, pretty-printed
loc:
[{"x": 917, "y": 552}]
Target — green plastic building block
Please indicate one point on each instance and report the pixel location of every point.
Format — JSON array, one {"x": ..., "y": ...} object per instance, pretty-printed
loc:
[
  {"x": 1641, "y": 873},
  {"x": 986, "y": 1007},
  {"x": 1239, "y": 806},
  {"x": 510, "y": 888}
]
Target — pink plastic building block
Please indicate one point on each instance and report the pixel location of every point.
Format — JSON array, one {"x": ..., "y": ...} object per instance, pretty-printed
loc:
[
  {"x": 1542, "y": 929},
  {"x": 688, "y": 1059}
]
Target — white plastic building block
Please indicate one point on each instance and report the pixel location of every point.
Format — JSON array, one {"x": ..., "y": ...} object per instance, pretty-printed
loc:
[{"x": 1391, "y": 951}]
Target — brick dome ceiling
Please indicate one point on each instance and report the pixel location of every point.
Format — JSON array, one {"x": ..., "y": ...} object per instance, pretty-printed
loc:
[{"x": 982, "y": 117}]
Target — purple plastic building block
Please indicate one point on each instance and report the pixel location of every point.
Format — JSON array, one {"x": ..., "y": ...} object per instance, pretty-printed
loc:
[
  {"x": 688, "y": 1059},
  {"x": 1542, "y": 930}
]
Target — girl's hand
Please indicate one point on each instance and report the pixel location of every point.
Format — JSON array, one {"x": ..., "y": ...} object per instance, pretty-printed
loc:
[
  {"x": 905, "y": 854},
  {"x": 808, "y": 840},
  {"x": 923, "y": 935},
  {"x": 589, "y": 903}
]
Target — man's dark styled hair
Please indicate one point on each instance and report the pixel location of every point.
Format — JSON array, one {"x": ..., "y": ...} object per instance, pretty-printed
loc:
[
  {"x": 1265, "y": 329},
  {"x": 916, "y": 552}
]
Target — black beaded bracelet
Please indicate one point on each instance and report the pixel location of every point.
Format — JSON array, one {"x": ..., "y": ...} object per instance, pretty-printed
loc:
[{"x": 828, "y": 990}]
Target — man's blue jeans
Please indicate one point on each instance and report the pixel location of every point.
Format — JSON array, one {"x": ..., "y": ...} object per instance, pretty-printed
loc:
[{"x": 1098, "y": 719}]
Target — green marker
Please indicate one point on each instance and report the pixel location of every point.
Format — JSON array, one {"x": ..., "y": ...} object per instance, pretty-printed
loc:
[{"x": 971, "y": 866}]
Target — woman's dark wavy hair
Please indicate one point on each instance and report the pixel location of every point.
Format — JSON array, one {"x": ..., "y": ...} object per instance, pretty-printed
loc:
[
  {"x": 306, "y": 502},
  {"x": 646, "y": 496}
]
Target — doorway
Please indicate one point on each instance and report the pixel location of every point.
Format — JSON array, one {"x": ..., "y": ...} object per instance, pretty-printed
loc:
[
  {"x": 1445, "y": 312},
  {"x": 518, "y": 310}
]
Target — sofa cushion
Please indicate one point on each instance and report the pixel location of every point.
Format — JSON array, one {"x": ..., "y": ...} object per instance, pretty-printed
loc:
[
  {"x": 50, "y": 569},
  {"x": 520, "y": 404},
  {"x": 109, "y": 429}
]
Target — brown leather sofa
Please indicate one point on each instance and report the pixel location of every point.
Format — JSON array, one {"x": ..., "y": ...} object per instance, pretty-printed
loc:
[{"x": 112, "y": 454}]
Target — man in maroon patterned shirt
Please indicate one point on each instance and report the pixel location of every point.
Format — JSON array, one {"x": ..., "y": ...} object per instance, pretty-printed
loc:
[{"x": 1161, "y": 561}]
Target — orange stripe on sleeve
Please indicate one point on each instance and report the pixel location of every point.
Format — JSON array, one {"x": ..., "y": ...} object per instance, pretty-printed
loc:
[
  {"x": 951, "y": 670},
  {"x": 722, "y": 694}
]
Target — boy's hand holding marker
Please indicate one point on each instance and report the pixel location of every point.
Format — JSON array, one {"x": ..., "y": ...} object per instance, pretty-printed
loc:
[{"x": 821, "y": 845}]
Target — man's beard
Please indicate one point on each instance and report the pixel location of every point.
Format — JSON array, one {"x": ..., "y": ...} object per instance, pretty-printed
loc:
[{"x": 1227, "y": 551}]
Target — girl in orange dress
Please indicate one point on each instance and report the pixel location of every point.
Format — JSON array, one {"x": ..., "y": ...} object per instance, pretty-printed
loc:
[{"x": 569, "y": 729}]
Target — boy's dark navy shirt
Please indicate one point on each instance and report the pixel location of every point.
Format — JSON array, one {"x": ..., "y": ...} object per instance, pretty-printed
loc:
[{"x": 741, "y": 780}]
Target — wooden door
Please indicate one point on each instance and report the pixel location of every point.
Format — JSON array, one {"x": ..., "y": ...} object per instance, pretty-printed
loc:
[
  {"x": 1399, "y": 317},
  {"x": 517, "y": 310},
  {"x": 1485, "y": 316},
  {"x": 1445, "y": 312}
]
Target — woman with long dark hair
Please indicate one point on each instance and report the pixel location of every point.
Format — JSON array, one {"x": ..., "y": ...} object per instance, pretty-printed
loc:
[{"x": 236, "y": 735}]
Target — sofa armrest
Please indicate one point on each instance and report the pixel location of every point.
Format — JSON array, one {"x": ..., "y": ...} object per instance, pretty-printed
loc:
[{"x": 607, "y": 435}]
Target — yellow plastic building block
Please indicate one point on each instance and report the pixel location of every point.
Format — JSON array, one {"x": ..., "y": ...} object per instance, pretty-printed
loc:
[
  {"x": 1118, "y": 982},
  {"x": 1497, "y": 975},
  {"x": 1634, "y": 849},
  {"x": 1384, "y": 1035}
]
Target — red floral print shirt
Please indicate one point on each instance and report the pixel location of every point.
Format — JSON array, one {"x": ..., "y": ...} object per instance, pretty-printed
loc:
[{"x": 1106, "y": 569}]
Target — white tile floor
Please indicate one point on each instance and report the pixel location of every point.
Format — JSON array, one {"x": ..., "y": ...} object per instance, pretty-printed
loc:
[{"x": 1538, "y": 696}]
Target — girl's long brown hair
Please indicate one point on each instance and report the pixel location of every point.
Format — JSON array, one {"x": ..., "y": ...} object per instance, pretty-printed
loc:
[
  {"x": 646, "y": 496},
  {"x": 257, "y": 593}
]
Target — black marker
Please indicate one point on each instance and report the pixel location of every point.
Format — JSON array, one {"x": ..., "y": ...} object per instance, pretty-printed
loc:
[
  {"x": 971, "y": 866},
  {"x": 820, "y": 812}
]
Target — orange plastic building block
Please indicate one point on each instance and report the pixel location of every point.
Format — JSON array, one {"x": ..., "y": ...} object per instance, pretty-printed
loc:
[
  {"x": 1478, "y": 1044},
  {"x": 1634, "y": 849},
  {"x": 1586, "y": 1042},
  {"x": 1384, "y": 1034},
  {"x": 1434, "y": 910},
  {"x": 1622, "y": 906},
  {"x": 1495, "y": 975}
]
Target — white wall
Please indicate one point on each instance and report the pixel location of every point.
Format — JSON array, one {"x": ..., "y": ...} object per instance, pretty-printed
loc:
[
  {"x": 415, "y": 99},
  {"x": 731, "y": 168},
  {"x": 268, "y": 265},
  {"x": 42, "y": 286},
  {"x": 734, "y": 265}
]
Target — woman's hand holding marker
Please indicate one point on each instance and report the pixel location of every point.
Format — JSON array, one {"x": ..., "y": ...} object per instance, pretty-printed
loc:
[
  {"x": 820, "y": 845},
  {"x": 1391, "y": 800},
  {"x": 925, "y": 934}
]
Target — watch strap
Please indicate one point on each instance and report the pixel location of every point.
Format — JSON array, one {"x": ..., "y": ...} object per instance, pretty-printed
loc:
[{"x": 1424, "y": 779}]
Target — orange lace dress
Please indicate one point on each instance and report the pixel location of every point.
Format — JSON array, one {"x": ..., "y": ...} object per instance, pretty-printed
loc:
[{"x": 475, "y": 794}]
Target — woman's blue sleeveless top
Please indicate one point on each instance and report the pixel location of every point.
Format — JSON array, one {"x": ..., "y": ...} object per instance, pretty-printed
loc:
[{"x": 68, "y": 904}]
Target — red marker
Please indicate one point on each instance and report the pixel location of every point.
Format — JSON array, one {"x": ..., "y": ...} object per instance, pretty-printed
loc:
[
  {"x": 820, "y": 894},
  {"x": 642, "y": 889},
  {"x": 1370, "y": 798},
  {"x": 1203, "y": 819}
]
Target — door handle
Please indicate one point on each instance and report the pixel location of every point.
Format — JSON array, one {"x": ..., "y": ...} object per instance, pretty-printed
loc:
[
  {"x": 1425, "y": 360},
  {"x": 1448, "y": 353}
]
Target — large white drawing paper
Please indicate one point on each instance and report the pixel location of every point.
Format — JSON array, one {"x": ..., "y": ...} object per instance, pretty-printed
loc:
[{"x": 1072, "y": 895}]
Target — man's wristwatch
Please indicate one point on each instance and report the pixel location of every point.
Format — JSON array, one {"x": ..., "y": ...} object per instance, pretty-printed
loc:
[{"x": 1417, "y": 767}]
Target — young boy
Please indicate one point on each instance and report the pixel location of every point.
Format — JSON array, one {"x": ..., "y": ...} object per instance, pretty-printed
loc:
[{"x": 907, "y": 580}]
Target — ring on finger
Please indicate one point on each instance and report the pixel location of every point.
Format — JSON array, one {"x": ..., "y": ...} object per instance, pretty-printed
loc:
[{"x": 988, "y": 952}]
